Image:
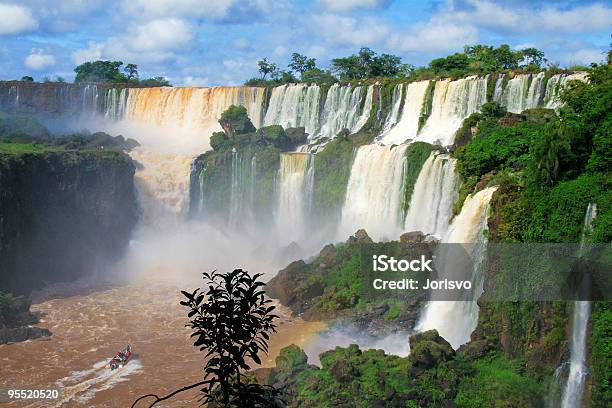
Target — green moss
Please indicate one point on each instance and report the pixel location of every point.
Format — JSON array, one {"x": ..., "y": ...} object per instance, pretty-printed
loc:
[
  {"x": 416, "y": 155},
  {"x": 332, "y": 169},
  {"x": 427, "y": 105},
  {"x": 601, "y": 350},
  {"x": 498, "y": 382}
]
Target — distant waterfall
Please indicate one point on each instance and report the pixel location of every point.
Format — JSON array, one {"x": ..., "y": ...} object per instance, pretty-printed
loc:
[
  {"x": 434, "y": 194},
  {"x": 408, "y": 124},
  {"x": 455, "y": 320},
  {"x": 524, "y": 91},
  {"x": 115, "y": 104},
  {"x": 555, "y": 85},
  {"x": 162, "y": 182},
  {"x": 528, "y": 91},
  {"x": 453, "y": 101},
  {"x": 296, "y": 175},
  {"x": 294, "y": 106},
  {"x": 344, "y": 109},
  {"x": 373, "y": 192},
  {"x": 574, "y": 388},
  {"x": 396, "y": 102}
]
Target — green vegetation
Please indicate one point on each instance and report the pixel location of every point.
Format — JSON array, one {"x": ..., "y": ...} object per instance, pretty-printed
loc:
[
  {"x": 110, "y": 71},
  {"x": 238, "y": 151},
  {"x": 366, "y": 64},
  {"x": 332, "y": 169},
  {"x": 416, "y": 155},
  {"x": 548, "y": 166},
  {"x": 432, "y": 376}
]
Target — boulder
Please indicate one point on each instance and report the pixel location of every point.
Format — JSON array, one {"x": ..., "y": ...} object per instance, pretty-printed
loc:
[
  {"x": 413, "y": 237},
  {"x": 427, "y": 349}
]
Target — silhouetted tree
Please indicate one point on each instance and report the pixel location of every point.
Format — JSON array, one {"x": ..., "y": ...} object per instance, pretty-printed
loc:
[
  {"x": 266, "y": 67},
  {"x": 131, "y": 70},
  {"x": 231, "y": 323},
  {"x": 301, "y": 63}
]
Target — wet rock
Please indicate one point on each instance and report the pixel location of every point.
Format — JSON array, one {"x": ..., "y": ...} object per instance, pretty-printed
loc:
[
  {"x": 413, "y": 237},
  {"x": 427, "y": 349},
  {"x": 360, "y": 237},
  {"x": 17, "y": 334}
]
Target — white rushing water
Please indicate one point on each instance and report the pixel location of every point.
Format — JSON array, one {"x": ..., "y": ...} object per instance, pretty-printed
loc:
[
  {"x": 294, "y": 106},
  {"x": 394, "y": 112},
  {"x": 453, "y": 101},
  {"x": 408, "y": 124},
  {"x": 433, "y": 196},
  {"x": 456, "y": 319},
  {"x": 345, "y": 109},
  {"x": 374, "y": 191},
  {"x": 574, "y": 388},
  {"x": 296, "y": 176}
]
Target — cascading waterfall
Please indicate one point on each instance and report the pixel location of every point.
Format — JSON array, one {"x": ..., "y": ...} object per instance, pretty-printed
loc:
[
  {"x": 408, "y": 124},
  {"x": 455, "y": 320},
  {"x": 162, "y": 182},
  {"x": 296, "y": 176},
  {"x": 434, "y": 193},
  {"x": 574, "y": 388},
  {"x": 115, "y": 104},
  {"x": 194, "y": 109},
  {"x": 294, "y": 106},
  {"x": 344, "y": 109},
  {"x": 555, "y": 84},
  {"x": 524, "y": 91},
  {"x": 373, "y": 192},
  {"x": 453, "y": 101},
  {"x": 396, "y": 102}
]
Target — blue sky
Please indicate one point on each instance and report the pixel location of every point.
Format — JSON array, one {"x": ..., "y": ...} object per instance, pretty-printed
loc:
[{"x": 216, "y": 42}]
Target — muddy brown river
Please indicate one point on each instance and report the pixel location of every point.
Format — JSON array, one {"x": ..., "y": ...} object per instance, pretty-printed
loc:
[{"x": 90, "y": 327}]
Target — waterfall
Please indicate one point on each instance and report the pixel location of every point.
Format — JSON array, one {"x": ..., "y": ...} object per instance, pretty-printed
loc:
[
  {"x": 408, "y": 124},
  {"x": 453, "y": 101},
  {"x": 396, "y": 102},
  {"x": 294, "y": 106},
  {"x": 344, "y": 109},
  {"x": 499, "y": 89},
  {"x": 162, "y": 183},
  {"x": 572, "y": 395},
  {"x": 524, "y": 91},
  {"x": 373, "y": 192},
  {"x": 191, "y": 110},
  {"x": 555, "y": 84},
  {"x": 434, "y": 193},
  {"x": 296, "y": 176},
  {"x": 115, "y": 103},
  {"x": 455, "y": 320}
]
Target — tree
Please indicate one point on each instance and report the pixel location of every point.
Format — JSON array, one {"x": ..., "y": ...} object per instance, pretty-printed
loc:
[
  {"x": 132, "y": 71},
  {"x": 532, "y": 56},
  {"x": 99, "y": 71},
  {"x": 27, "y": 78},
  {"x": 301, "y": 63},
  {"x": 367, "y": 64},
  {"x": 266, "y": 67},
  {"x": 155, "y": 81},
  {"x": 231, "y": 322},
  {"x": 318, "y": 76}
]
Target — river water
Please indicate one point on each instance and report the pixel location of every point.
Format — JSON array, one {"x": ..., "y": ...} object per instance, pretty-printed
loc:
[{"x": 90, "y": 325}]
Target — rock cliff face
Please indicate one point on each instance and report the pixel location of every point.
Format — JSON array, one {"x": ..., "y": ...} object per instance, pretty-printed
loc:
[{"x": 62, "y": 214}]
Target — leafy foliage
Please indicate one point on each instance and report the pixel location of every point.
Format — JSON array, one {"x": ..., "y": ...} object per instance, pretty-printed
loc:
[
  {"x": 367, "y": 64},
  {"x": 231, "y": 321},
  {"x": 110, "y": 71}
]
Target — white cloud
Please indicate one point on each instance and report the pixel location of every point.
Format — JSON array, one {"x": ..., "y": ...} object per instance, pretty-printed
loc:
[
  {"x": 496, "y": 17},
  {"x": 342, "y": 6},
  {"x": 316, "y": 51},
  {"x": 434, "y": 36},
  {"x": 153, "y": 41},
  {"x": 38, "y": 60},
  {"x": 16, "y": 19},
  {"x": 93, "y": 52},
  {"x": 241, "y": 44},
  {"x": 160, "y": 35},
  {"x": 212, "y": 9},
  {"x": 195, "y": 81},
  {"x": 349, "y": 30}
]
